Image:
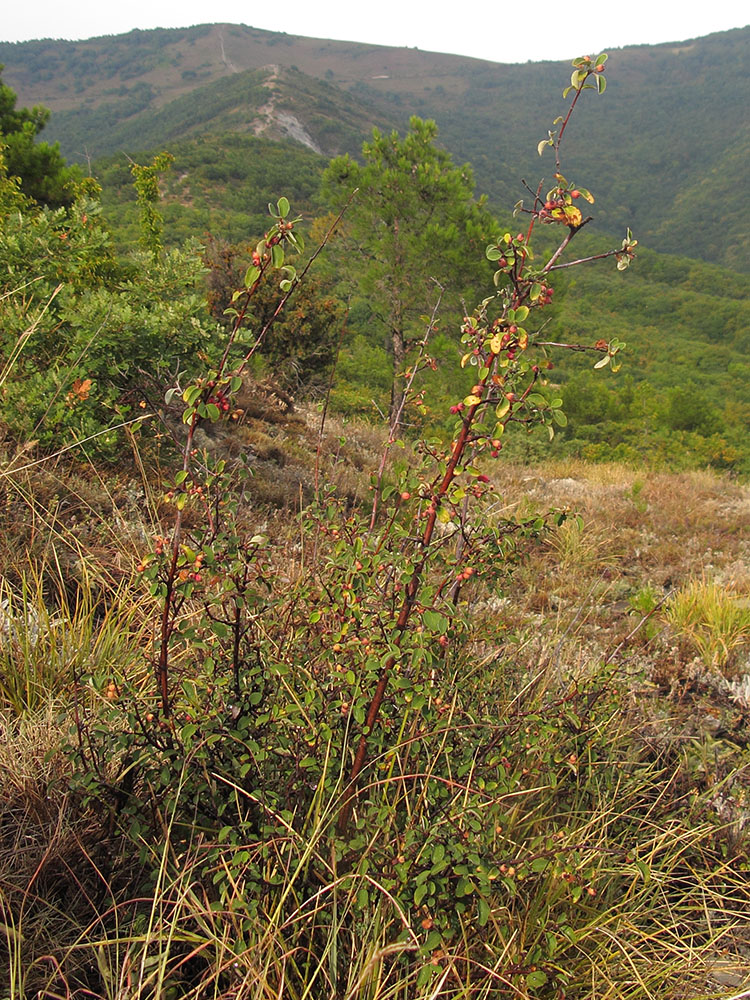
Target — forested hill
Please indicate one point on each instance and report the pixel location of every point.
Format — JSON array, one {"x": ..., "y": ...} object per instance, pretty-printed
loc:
[{"x": 666, "y": 152}]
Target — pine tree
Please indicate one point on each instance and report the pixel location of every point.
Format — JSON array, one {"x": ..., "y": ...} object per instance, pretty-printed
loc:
[{"x": 413, "y": 225}]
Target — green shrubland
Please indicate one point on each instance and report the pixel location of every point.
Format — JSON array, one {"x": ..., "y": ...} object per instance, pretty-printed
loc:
[{"x": 383, "y": 741}]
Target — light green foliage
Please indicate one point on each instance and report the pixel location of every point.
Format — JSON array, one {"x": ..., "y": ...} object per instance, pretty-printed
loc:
[
  {"x": 146, "y": 183},
  {"x": 684, "y": 399},
  {"x": 219, "y": 184},
  {"x": 416, "y": 229},
  {"x": 83, "y": 334}
]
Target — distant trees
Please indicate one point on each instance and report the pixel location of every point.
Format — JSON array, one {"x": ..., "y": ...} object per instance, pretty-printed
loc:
[
  {"x": 413, "y": 222},
  {"x": 39, "y": 166}
]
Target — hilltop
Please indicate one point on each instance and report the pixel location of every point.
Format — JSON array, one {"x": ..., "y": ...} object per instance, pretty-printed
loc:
[{"x": 665, "y": 153}]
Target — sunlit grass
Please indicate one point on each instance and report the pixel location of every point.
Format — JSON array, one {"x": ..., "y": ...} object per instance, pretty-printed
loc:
[{"x": 715, "y": 621}]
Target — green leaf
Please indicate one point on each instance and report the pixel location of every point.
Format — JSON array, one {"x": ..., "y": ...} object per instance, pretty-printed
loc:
[
  {"x": 602, "y": 362},
  {"x": 282, "y": 207},
  {"x": 251, "y": 276},
  {"x": 559, "y": 417},
  {"x": 577, "y": 77},
  {"x": 433, "y": 940},
  {"x": 492, "y": 253},
  {"x": 464, "y": 887},
  {"x": 277, "y": 255},
  {"x": 645, "y": 871},
  {"x": 435, "y": 622},
  {"x": 601, "y": 83},
  {"x": 536, "y": 979},
  {"x": 502, "y": 408}
]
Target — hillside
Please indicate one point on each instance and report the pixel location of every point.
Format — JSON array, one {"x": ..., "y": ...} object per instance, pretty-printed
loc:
[{"x": 665, "y": 153}]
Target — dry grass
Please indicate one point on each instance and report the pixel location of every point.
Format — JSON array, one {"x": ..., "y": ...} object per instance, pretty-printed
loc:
[{"x": 666, "y": 918}]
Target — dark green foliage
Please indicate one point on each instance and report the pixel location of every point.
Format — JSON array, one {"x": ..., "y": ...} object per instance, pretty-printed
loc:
[
  {"x": 277, "y": 104},
  {"x": 39, "y": 166},
  {"x": 299, "y": 349},
  {"x": 670, "y": 146},
  {"x": 219, "y": 184},
  {"x": 680, "y": 396}
]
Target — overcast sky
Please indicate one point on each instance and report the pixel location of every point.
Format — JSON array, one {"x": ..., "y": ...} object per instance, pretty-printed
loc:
[{"x": 501, "y": 31}]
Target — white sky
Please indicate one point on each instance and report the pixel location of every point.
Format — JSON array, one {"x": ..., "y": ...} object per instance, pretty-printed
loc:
[{"x": 499, "y": 30}]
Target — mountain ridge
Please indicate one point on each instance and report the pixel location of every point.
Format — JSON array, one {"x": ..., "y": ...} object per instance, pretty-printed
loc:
[{"x": 664, "y": 151}]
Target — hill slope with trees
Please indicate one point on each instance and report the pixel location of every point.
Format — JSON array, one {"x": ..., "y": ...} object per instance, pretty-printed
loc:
[{"x": 665, "y": 155}]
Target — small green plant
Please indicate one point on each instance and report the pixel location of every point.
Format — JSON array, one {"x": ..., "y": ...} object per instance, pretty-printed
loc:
[
  {"x": 146, "y": 182},
  {"x": 714, "y": 621},
  {"x": 635, "y": 494}
]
